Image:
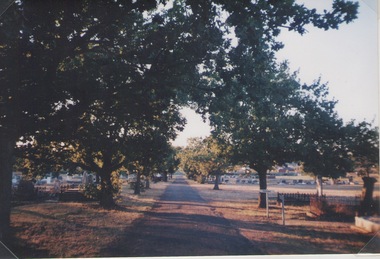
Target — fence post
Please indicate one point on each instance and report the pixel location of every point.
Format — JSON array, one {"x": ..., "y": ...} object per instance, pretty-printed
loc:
[
  {"x": 267, "y": 203},
  {"x": 283, "y": 209}
]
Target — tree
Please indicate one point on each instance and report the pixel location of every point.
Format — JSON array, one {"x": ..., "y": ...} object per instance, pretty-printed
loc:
[
  {"x": 205, "y": 157},
  {"x": 322, "y": 147},
  {"x": 151, "y": 153},
  {"x": 168, "y": 163},
  {"x": 187, "y": 157},
  {"x": 259, "y": 123},
  {"x": 27, "y": 97},
  {"x": 363, "y": 142},
  {"x": 66, "y": 54},
  {"x": 135, "y": 89},
  {"x": 254, "y": 100},
  {"x": 55, "y": 81}
]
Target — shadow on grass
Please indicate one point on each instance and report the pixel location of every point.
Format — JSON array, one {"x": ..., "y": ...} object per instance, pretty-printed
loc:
[
  {"x": 300, "y": 239},
  {"x": 180, "y": 234},
  {"x": 23, "y": 250},
  {"x": 56, "y": 225}
]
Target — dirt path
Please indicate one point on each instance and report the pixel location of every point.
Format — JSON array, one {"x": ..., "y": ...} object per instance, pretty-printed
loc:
[{"x": 182, "y": 224}]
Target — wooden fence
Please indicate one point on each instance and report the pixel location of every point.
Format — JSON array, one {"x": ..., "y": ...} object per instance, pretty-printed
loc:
[
  {"x": 305, "y": 198},
  {"x": 296, "y": 198}
]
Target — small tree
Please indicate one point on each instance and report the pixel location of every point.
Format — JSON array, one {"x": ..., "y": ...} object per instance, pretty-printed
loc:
[
  {"x": 187, "y": 158},
  {"x": 205, "y": 157},
  {"x": 151, "y": 152}
]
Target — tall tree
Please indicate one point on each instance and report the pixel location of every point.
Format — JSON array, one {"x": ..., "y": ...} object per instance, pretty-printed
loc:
[
  {"x": 363, "y": 142},
  {"x": 322, "y": 147},
  {"x": 127, "y": 87},
  {"x": 57, "y": 45},
  {"x": 259, "y": 123},
  {"x": 64, "y": 55},
  {"x": 255, "y": 109},
  {"x": 27, "y": 96}
]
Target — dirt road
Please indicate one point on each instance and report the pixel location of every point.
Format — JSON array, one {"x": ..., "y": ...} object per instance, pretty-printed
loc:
[{"x": 182, "y": 224}]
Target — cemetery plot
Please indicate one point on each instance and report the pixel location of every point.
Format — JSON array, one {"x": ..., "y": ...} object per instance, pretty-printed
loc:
[
  {"x": 64, "y": 187},
  {"x": 86, "y": 230}
]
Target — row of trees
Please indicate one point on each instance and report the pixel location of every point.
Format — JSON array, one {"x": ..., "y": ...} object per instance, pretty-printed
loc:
[
  {"x": 350, "y": 147},
  {"x": 99, "y": 84}
]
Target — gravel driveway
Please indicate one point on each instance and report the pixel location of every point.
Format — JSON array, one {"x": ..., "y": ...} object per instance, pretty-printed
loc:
[{"x": 182, "y": 224}]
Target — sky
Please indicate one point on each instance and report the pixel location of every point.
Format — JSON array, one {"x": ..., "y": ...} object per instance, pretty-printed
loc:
[{"x": 347, "y": 59}]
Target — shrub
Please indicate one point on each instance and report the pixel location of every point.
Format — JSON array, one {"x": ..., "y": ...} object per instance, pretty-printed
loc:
[
  {"x": 93, "y": 190},
  {"x": 201, "y": 179}
]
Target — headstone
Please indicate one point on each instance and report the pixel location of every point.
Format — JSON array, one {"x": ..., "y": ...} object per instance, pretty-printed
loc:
[
  {"x": 85, "y": 178},
  {"x": 57, "y": 186},
  {"x": 90, "y": 178}
]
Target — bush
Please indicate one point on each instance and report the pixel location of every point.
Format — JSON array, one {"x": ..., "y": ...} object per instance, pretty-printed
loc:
[
  {"x": 201, "y": 179},
  {"x": 93, "y": 190},
  {"x": 116, "y": 183},
  {"x": 319, "y": 206}
]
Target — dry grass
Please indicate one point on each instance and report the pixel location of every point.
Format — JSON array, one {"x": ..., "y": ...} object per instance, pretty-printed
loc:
[
  {"x": 299, "y": 235},
  {"x": 59, "y": 229},
  {"x": 69, "y": 229}
]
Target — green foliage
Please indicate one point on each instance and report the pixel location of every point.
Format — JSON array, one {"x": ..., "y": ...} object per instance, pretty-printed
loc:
[
  {"x": 258, "y": 121},
  {"x": 363, "y": 143},
  {"x": 94, "y": 190},
  {"x": 204, "y": 157},
  {"x": 322, "y": 145},
  {"x": 92, "y": 76}
]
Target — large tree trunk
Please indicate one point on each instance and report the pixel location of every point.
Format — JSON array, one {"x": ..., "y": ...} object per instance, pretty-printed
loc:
[
  {"x": 216, "y": 183},
  {"x": 137, "y": 184},
  {"x": 165, "y": 176},
  {"x": 6, "y": 163},
  {"x": 106, "y": 199},
  {"x": 263, "y": 188},
  {"x": 367, "y": 196},
  {"x": 318, "y": 181}
]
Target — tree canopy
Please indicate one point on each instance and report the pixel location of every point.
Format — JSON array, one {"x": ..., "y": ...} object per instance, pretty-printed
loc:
[
  {"x": 205, "y": 157},
  {"x": 91, "y": 75}
]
